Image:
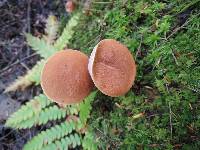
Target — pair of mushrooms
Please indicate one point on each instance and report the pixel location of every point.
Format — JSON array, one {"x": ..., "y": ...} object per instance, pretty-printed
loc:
[{"x": 69, "y": 76}]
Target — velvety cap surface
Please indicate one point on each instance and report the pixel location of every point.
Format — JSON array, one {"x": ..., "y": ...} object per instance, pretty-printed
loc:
[
  {"x": 113, "y": 68},
  {"x": 65, "y": 78}
]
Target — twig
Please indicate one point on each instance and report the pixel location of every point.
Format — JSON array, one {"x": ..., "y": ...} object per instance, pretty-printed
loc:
[
  {"x": 139, "y": 48},
  {"x": 102, "y": 2},
  {"x": 17, "y": 62},
  {"x": 24, "y": 65},
  {"x": 157, "y": 63},
  {"x": 179, "y": 28},
  {"x": 174, "y": 58},
  {"x": 176, "y": 30},
  {"x": 28, "y": 16},
  {"x": 28, "y": 22},
  {"x": 170, "y": 114},
  {"x": 13, "y": 142},
  {"x": 170, "y": 119},
  {"x": 13, "y": 130}
]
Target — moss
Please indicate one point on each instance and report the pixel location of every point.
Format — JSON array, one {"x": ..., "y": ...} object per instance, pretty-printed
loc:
[{"x": 168, "y": 77}]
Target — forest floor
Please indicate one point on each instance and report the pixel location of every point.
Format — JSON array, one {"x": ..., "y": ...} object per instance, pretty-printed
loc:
[{"x": 161, "y": 111}]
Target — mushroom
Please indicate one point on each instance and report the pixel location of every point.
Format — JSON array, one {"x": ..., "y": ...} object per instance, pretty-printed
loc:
[
  {"x": 65, "y": 78},
  {"x": 112, "y": 68},
  {"x": 70, "y": 6}
]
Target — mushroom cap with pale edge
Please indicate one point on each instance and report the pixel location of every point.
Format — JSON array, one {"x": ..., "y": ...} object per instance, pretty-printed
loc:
[
  {"x": 65, "y": 78},
  {"x": 112, "y": 68}
]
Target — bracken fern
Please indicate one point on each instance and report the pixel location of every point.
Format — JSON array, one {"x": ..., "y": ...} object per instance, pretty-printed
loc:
[
  {"x": 32, "y": 76},
  {"x": 50, "y": 135},
  {"x": 40, "y": 46},
  {"x": 27, "y": 111},
  {"x": 72, "y": 140}
]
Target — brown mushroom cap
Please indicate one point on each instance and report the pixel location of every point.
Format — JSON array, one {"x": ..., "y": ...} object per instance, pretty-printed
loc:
[
  {"x": 70, "y": 6},
  {"x": 65, "y": 78},
  {"x": 112, "y": 68}
]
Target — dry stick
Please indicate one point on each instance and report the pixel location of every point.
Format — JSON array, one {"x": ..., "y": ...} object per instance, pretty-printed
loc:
[
  {"x": 28, "y": 23},
  {"x": 2, "y": 138},
  {"x": 170, "y": 114},
  {"x": 176, "y": 30},
  {"x": 16, "y": 62},
  {"x": 28, "y": 16},
  {"x": 24, "y": 65},
  {"x": 139, "y": 48},
  {"x": 176, "y": 61},
  {"x": 179, "y": 28},
  {"x": 102, "y": 2},
  {"x": 170, "y": 119},
  {"x": 13, "y": 142},
  {"x": 173, "y": 55},
  {"x": 173, "y": 33}
]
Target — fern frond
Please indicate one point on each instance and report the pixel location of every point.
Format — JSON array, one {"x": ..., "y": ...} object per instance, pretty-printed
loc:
[
  {"x": 88, "y": 142},
  {"x": 51, "y": 113},
  {"x": 27, "y": 111},
  {"x": 71, "y": 141},
  {"x": 72, "y": 109},
  {"x": 20, "y": 83},
  {"x": 47, "y": 114},
  {"x": 85, "y": 107},
  {"x": 40, "y": 46},
  {"x": 48, "y": 136},
  {"x": 51, "y": 29},
  {"x": 31, "y": 76},
  {"x": 67, "y": 33},
  {"x": 35, "y": 112}
]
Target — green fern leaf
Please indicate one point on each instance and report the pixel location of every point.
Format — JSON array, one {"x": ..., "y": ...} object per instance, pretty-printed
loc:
[
  {"x": 44, "y": 49},
  {"x": 27, "y": 111},
  {"x": 67, "y": 33},
  {"x": 73, "y": 140},
  {"x": 34, "y": 74},
  {"x": 50, "y": 135},
  {"x": 20, "y": 83},
  {"x": 72, "y": 109},
  {"x": 35, "y": 112},
  {"x": 51, "y": 113},
  {"x": 47, "y": 114},
  {"x": 88, "y": 142},
  {"x": 85, "y": 107}
]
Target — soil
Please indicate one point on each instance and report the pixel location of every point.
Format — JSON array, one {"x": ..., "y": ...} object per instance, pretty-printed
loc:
[{"x": 16, "y": 18}]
